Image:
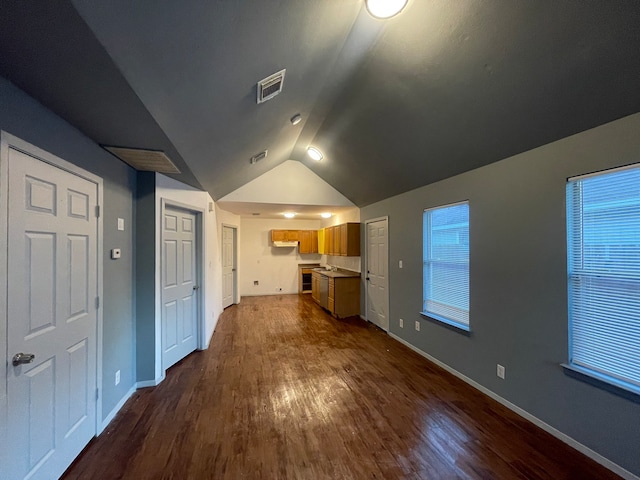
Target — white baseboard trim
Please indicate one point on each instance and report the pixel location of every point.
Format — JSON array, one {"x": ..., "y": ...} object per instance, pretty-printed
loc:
[
  {"x": 116, "y": 409},
  {"x": 150, "y": 383},
  {"x": 605, "y": 462}
]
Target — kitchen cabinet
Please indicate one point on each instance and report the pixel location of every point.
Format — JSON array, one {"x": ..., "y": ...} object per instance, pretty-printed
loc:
[
  {"x": 308, "y": 241},
  {"x": 328, "y": 240},
  {"x": 316, "y": 279},
  {"x": 305, "y": 277},
  {"x": 344, "y": 296},
  {"x": 341, "y": 240},
  {"x": 337, "y": 239},
  {"x": 338, "y": 292},
  {"x": 349, "y": 240},
  {"x": 284, "y": 235},
  {"x": 321, "y": 248}
]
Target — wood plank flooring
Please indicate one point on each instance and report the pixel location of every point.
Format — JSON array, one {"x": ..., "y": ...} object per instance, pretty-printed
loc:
[{"x": 285, "y": 391}]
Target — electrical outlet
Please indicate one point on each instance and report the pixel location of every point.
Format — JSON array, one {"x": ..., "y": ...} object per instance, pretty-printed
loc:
[
  {"x": 417, "y": 326},
  {"x": 399, "y": 263},
  {"x": 256, "y": 282},
  {"x": 278, "y": 289},
  {"x": 401, "y": 323},
  {"x": 500, "y": 371},
  {"x": 117, "y": 377}
]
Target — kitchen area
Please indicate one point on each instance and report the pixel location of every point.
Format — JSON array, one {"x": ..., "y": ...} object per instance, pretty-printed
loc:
[{"x": 335, "y": 289}]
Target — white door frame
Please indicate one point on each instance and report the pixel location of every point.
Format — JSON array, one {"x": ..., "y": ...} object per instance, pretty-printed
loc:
[
  {"x": 199, "y": 212},
  {"x": 236, "y": 300},
  {"x": 366, "y": 266},
  {"x": 10, "y": 141}
]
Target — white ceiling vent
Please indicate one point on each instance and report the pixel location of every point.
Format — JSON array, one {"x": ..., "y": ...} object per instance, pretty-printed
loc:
[
  {"x": 270, "y": 86},
  {"x": 259, "y": 156},
  {"x": 145, "y": 160}
]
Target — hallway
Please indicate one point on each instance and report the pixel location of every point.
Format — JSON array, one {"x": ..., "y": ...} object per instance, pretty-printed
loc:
[{"x": 287, "y": 392}]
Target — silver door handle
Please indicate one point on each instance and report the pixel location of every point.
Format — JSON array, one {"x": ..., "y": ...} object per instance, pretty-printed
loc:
[
  {"x": 22, "y": 358},
  {"x": 196, "y": 287}
]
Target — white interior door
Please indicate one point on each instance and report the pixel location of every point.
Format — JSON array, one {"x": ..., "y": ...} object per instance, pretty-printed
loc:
[
  {"x": 228, "y": 265},
  {"x": 179, "y": 285},
  {"x": 52, "y": 314},
  {"x": 377, "y": 274}
]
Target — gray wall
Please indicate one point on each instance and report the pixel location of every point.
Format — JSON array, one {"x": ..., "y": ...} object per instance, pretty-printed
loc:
[
  {"x": 145, "y": 276},
  {"x": 25, "y": 118},
  {"x": 518, "y": 289}
]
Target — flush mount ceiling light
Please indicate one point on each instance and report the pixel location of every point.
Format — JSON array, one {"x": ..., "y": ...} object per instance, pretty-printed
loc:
[
  {"x": 314, "y": 153},
  {"x": 325, "y": 215},
  {"x": 289, "y": 215},
  {"x": 385, "y": 8}
]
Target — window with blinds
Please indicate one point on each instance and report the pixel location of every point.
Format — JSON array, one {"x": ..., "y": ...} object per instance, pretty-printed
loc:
[
  {"x": 603, "y": 246},
  {"x": 446, "y": 264}
]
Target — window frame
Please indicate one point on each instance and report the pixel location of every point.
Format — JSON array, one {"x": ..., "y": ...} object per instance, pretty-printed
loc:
[
  {"x": 426, "y": 246},
  {"x": 575, "y": 207}
]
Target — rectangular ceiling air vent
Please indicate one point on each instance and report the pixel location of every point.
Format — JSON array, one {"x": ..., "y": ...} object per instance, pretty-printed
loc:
[
  {"x": 270, "y": 86},
  {"x": 144, "y": 160},
  {"x": 256, "y": 158}
]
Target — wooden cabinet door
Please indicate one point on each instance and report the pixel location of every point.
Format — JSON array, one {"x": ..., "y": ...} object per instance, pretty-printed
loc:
[
  {"x": 328, "y": 241},
  {"x": 337, "y": 240},
  {"x": 321, "y": 239},
  {"x": 292, "y": 235},
  {"x": 304, "y": 236},
  {"x": 278, "y": 235},
  {"x": 314, "y": 241},
  {"x": 351, "y": 244},
  {"x": 315, "y": 286}
]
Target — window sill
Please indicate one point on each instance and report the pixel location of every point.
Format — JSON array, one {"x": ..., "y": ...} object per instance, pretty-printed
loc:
[
  {"x": 452, "y": 325},
  {"x": 622, "y": 389}
]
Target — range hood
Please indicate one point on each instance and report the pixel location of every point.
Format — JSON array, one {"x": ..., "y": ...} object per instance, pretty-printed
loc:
[{"x": 279, "y": 243}]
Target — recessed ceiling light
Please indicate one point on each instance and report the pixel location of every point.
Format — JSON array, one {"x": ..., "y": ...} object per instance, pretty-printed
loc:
[
  {"x": 385, "y": 8},
  {"x": 289, "y": 215},
  {"x": 314, "y": 153},
  {"x": 325, "y": 215},
  {"x": 296, "y": 119}
]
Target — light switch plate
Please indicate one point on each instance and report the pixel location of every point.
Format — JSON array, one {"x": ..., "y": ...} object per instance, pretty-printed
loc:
[
  {"x": 121, "y": 224},
  {"x": 115, "y": 253}
]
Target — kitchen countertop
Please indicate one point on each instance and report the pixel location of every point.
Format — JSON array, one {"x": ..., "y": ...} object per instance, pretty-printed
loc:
[{"x": 337, "y": 273}]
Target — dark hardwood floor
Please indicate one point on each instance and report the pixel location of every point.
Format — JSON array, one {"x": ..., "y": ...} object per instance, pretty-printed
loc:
[{"x": 287, "y": 392}]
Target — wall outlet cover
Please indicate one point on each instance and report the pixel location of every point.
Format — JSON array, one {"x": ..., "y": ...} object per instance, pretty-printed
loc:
[
  {"x": 417, "y": 326},
  {"x": 401, "y": 323}
]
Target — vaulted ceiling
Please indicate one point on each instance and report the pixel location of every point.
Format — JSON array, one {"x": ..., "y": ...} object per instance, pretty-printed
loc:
[{"x": 445, "y": 87}]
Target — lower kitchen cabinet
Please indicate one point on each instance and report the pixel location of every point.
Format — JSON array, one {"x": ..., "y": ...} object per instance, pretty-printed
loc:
[{"x": 337, "y": 292}]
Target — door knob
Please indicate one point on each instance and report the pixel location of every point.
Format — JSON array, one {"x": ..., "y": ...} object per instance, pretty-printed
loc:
[
  {"x": 22, "y": 358},
  {"x": 196, "y": 287}
]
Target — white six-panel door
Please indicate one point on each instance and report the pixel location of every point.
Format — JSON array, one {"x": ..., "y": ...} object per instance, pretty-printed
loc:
[
  {"x": 377, "y": 275},
  {"x": 179, "y": 285},
  {"x": 228, "y": 265},
  {"x": 51, "y": 313}
]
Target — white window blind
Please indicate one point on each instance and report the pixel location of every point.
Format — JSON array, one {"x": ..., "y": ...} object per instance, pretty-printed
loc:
[
  {"x": 603, "y": 244},
  {"x": 446, "y": 264}
]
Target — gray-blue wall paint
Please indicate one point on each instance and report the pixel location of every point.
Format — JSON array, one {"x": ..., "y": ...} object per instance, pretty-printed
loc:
[
  {"x": 518, "y": 289},
  {"x": 145, "y": 276},
  {"x": 27, "y": 119}
]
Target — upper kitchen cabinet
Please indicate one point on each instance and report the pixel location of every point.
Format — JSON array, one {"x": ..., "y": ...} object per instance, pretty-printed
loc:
[
  {"x": 349, "y": 240},
  {"x": 284, "y": 235},
  {"x": 308, "y": 241},
  {"x": 341, "y": 240}
]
